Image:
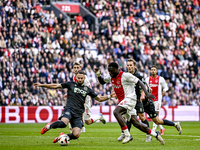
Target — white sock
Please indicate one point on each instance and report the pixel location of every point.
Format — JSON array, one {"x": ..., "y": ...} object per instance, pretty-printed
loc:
[
  {"x": 126, "y": 132},
  {"x": 153, "y": 133},
  {"x": 70, "y": 127},
  {"x": 48, "y": 127},
  {"x": 161, "y": 127},
  {"x": 154, "y": 127}
]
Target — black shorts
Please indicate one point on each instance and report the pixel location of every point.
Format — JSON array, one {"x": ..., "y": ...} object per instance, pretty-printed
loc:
[
  {"x": 139, "y": 107},
  {"x": 75, "y": 120},
  {"x": 149, "y": 108}
]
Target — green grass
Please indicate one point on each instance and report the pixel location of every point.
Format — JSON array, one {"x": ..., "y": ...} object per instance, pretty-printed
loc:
[{"x": 97, "y": 137}]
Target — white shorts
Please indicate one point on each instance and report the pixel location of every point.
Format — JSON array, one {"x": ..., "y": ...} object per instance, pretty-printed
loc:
[
  {"x": 157, "y": 105},
  {"x": 129, "y": 104},
  {"x": 87, "y": 113}
]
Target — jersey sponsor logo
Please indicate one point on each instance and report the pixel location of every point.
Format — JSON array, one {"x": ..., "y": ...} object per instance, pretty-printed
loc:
[
  {"x": 153, "y": 85},
  {"x": 85, "y": 88},
  {"x": 117, "y": 86},
  {"x": 77, "y": 90},
  {"x": 67, "y": 113}
]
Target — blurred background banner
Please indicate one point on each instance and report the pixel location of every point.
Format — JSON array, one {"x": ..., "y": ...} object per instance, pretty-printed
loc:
[{"x": 45, "y": 114}]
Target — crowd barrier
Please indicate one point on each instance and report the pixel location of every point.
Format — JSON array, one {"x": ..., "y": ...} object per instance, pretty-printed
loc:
[{"x": 45, "y": 114}]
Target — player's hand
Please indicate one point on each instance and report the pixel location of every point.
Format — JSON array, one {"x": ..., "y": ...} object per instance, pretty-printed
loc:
[
  {"x": 65, "y": 96},
  {"x": 36, "y": 84},
  {"x": 163, "y": 93},
  {"x": 150, "y": 96},
  {"x": 150, "y": 90},
  {"x": 97, "y": 72},
  {"x": 113, "y": 94}
]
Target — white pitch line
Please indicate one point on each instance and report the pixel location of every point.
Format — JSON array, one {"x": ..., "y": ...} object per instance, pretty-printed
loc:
[{"x": 174, "y": 135}]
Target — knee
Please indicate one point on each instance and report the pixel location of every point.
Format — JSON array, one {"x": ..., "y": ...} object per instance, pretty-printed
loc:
[
  {"x": 65, "y": 120},
  {"x": 88, "y": 122},
  {"x": 156, "y": 121},
  {"x": 76, "y": 135}
]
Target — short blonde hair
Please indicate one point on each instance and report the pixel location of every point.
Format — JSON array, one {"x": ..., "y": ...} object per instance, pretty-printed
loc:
[{"x": 132, "y": 60}]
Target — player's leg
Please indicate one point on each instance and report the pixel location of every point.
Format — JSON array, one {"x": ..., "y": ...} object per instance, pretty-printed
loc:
[
  {"x": 157, "y": 105},
  {"x": 144, "y": 120},
  {"x": 126, "y": 108},
  {"x": 162, "y": 130},
  {"x": 58, "y": 124},
  {"x": 159, "y": 121},
  {"x": 118, "y": 112},
  {"x": 149, "y": 108},
  {"x": 76, "y": 127},
  {"x": 83, "y": 126},
  {"x": 144, "y": 128},
  {"x": 88, "y": 117},
  {"x": 76, "y": 122},
  {"x": 122, "y": 136},
  {"x": 62, "y": 122}
]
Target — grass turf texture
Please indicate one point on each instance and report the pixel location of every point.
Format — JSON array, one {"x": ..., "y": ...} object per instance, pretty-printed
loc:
[{"x": 97, "y": 137}]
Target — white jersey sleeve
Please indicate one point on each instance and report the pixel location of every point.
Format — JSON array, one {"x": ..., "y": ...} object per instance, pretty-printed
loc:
[
  {"x": 147, "y": 81},
  {"x": 86, "y": 82},
  {"x": 163, "y": 84},
  {"x": 129, "y": 78}
]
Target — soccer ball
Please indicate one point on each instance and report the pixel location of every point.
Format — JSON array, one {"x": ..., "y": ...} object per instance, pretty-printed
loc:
[{"x": 64, "y": 140}]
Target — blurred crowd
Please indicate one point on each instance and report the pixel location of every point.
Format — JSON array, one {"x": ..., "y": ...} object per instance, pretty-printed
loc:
[{"x": 38, "y": 46}]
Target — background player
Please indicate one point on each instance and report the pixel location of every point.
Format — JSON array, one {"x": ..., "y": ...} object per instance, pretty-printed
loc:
[
  {"x": 158, "y": 88},
  {"x": 124, "y": 87},
  {"x": 74, "y": 109}
]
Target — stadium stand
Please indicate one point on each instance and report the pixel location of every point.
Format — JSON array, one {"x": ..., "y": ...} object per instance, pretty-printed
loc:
[{"x": 38, "y": 46}]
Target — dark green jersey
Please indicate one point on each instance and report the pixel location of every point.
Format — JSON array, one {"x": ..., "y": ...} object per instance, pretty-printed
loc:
[{"x": 76, "y": 95}]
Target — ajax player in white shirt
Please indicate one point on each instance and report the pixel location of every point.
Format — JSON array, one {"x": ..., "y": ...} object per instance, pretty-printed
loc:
[
  {"x": 124, "y": 87},
  {"x": 88, "y": 102}
]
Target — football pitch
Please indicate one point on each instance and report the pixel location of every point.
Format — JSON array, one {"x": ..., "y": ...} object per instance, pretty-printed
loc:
[{"x": 97, "y": 137}]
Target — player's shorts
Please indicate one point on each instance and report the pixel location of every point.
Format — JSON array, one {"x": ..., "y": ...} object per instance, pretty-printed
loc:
[
  {"x": 87, "y": 113},
  {"x": 157, "y": 105},
  {"x": 149, "y": 108},
  {"x": 75, "y": 120},
  {"x": 139, "y": 107},
  {"x": 129, "y": 104}
]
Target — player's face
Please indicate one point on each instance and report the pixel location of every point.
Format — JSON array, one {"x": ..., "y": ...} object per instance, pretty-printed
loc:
[
  {"x": 76, "y": 68},
  {"x": 130, "y": 67},
  {"x": 80, "y": 78},
  {"x": 153, "y": 71},
  {"x": 113, "y": 72}
]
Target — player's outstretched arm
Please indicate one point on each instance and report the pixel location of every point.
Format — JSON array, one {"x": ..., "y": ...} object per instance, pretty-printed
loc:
[
  {"x": 148, "y": 95},
  {"x": 50, "y": 86},
  {"x": 104, "y": 98}
]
